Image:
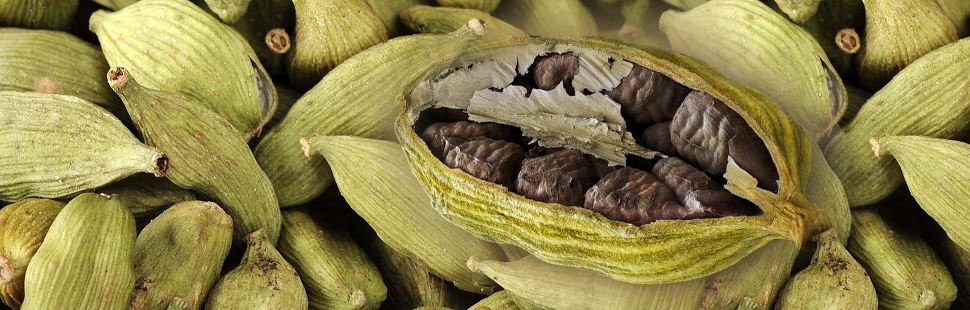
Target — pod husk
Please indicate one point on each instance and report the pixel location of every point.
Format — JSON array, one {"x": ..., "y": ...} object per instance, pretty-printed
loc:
[
  {"x": 389, "y": 10},
  {"x": 146, "y": 196},
  {"x": 178, "y": 256},
  {"x": 23, "y": 226},
  {"x": 56, "y": 145},
  {"x": 352, "y": 104},
  {"x": 84, "y": 266},
  {"x": 262, "y": 281},
  {"x": 481, "y": 5},
  {"x": 959, "y": 12},
  {"x": 549, "y": 18},
  {"x": 38, "y": 14},
  {"x": 833, "y": 280},
  {"x": 430, "y": 19},
  {"x": 502, "y": 300}
]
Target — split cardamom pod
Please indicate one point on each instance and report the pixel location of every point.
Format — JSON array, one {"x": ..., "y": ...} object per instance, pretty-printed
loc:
[
  {"x": 959, "y": 13},
  {"x": 226, "y": 171},
  {"x": 327, "y": 33},
  {"x": 481, "y": 5},
  {"x": 502, "y": 300},
  {"x": 38, "y": 14},
  {"x": 23, "y": 226},
  {"x": 204, "y": 58},
  {"x": 179, "y": 256},
  {"x": 262, "y": 281},
  {"x": 146, "y": 196},
  {"x": 85, "y": 261},
  {"x": 335, "y": 271},
  {"x": 229, "y": 11},
  {"x": 549, "y": 18},
  {"x": 56, "y": 145},
  {"x": 749, "y": 42},
  {"x": 833, "y": 280},
  {"x": 431, "y": 19},
  {"x": 352, "y": 102}
]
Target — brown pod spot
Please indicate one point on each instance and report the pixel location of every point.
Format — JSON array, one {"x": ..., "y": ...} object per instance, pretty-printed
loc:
[
  {"x": 633, "y": 196},
  {"x": 551, "y": 70},
  {"x": 561, "y": 177},
  {"x": 695, "y": 190},
  {"x": 442, "y": 137},
  {"x": 495, "y": 161},
  {"x": 647, "y": 96},
  {"x": 706, "y": 131},
  {"x": 657, "y": 138}
]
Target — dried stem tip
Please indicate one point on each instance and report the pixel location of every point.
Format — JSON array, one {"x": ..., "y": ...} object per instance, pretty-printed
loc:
[
  {"x": 118, "y": 77},
  {"x": 848, "y": 40},
  {"x": 478, "y": 26},
  {"x": 278, "y": 40}
]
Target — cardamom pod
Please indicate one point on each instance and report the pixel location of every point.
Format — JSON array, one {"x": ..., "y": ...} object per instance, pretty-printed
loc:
[
  {"x": 502, "y": 300},
  {"x": 335, "y": 271},
  {"x": 146, "y": 196},
  {"x": 373, "y": 176},
  {"x": 959, "y": 13},
  {"x": 357, "y": 98},
  {"x": 883, "y": 54},
  {"x": 262, "y": 281},
  {"x": 55, "y": 145},
  {"x": 389, "y": 10},
  {"x": 115, "y": 4},
  {"x": 287, "y": 98},
  {"x": 327, "y": 33},
  {"x": 179, "y": 255},
  {"x": 481, "y": 5},
  {"x": 749, "y": 42},
  {"x": 23, "y": 226},
  {"x": 832, "y": 17},
  {"x": 226, "y": 171},
  {"x": 550, "y": 18},
  {"x": 85, "y": 261},
  {"x": 957, "y": 260},
  {"x": 637, "y": 18},
  {"x": 38, "y": 14},
  {"x": 857, "y": 98},
  {"x": 229, "y": 11},
  {"x": 833, "y": 280},
  {"x": 177, "y": 47},
  {"x": 431, "y": 19},
  {"x": 825, "y": 190},
  {"x": 256, "y": 26},
  {"x": 799, "y": 10},
  {"x": 920, "y": 100}
]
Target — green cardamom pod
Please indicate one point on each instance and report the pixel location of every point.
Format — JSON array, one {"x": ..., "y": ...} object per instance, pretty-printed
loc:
[
  {"x": 85, "y": 261},
  {"x": 176, "y": 46},
  {"x": 957, "y": 260},
  {"x": 825, "y": 190},
  {"x": 262, "y": 281},
  {"x": 832, "y": 17},
  {"x": 38, "y": 14},
  {"x": 959, "y": 13},
  {"x": 481, "y": 5},
  {"x": 685, "y": 4},
  {"x": 225, "y": 171},
  {"x": 920, "y": 100},
  {"x": 335, "y": 271},
  {"x": 906, "y": 272},
  {"x": 258, "y": 24},
  {"x": 287, "y": 98},
  {"x": 637, "y": 18},
  {"x": 749, "y": 42},
  {"x": 327, "y": 33},
  {"x": 115, "y": 4},
  {"x": 549, "y": 18},
  {"x": 431, "y": 19},
  {"x": 179, "y": 255},
  {"x": 374, "y": 177},
  {"x": 799, "y": 10},
  {"x": 389, "y": 10},
  {"x": 23, "y": 226},
  {"x": 883, "y": 53},
  {"x": 229, "y": 11},
  {"x": 857, "y": 98},
  {"x": 55, "y": 145},
  {"x": 146, "y": 196},
  {"x": 502, "y": 300},
  {"x": 352, "y": 103},
  {"x": 833, "y": 280}
]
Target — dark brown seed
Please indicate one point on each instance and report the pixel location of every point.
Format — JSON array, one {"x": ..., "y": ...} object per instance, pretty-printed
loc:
[
  {"x": 648, "y": 97},
  {"x": 695, "y": 190},
  {"x": 633, "y": 196},
  {"x": 657, "y": 138},
  {"x": 494, "y": 161},
  {"x": 551, "y": 70},
  {"x": 442, "y": 137},
  {"x": 600, "y": 166},
  {"x": 706, "y": 131},
  {"x": 561, "y": 177}
]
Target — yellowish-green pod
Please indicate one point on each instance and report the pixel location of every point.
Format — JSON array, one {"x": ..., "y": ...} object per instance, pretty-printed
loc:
[
  {"x": 924, "y": 99},
  {"x": 146, "y": 196},
  {"x": 115, "y": 4},
  {"x": 833, "y": 16},
  {"x": 637, "y": 18},
  {"x": 179, "y": 256},
  {"x": 262, "y": 281},
  {"x": 225, "y": 170},
  {"x": 749, "y": 42},
  {"x": 37, "y": 14},
  {"x": 686, "y": 4},
  {"x": 229, "y": 10},
  {"x": 883, "y": 53},
  {"x": 959, "y": 13},
  {"x": 481, "y": 5},
  {"x": 327, "y": 33},
  {"x": 335, "y": 271},
  {"x": 857, "y": 98},
  {"x": 550, "y": 18},
  {"x": 825, "y": 190},
  {"x": 23, "y": 226},
  {"x": 85, "y": 261},
  {"x": 906, "y": 272},
  {"x": 430, "y": 19},
  {"x": 356, "y": 98},
  {"x": 502, "y": 300},
  {"x": 374, "y": 178},
  {"x": 56, "y": 63},
  {"x": 389, "y": 10},
  {"x": 799, "y": 10},
  {"x": 175, "y": 46},
  {"x": 833, "y": 280},
  {"x": 55, "y": 145},
  {"x": 957, "y": 260},
  {"x": 288, "y": 97}
]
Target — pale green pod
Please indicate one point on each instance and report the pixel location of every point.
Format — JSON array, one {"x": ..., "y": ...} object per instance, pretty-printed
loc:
[
  {"x": 352, "y": 104},
  {"x": 502, "y": 300},
  {"x": 229, "y": 11},
  {"x": 686, "y": 4},
  {"x": 38, "y": 14},
  {"x": 923, "y": 99},
  {"x": 115, "y": 4},
  {"x": 957, "y": 260},
  {"x": 374, "y": 177},
  {"x": 179, "y": 255},
  {"x": 175, "y": 46},
  {"x": 959, "y": 13},
  {"x": 23, "y": 226},
  {"x": 262, "y": 17},
  {"x": 833, "y": 16},
  {"x": 335, "y": 271},
  {"x": 327, "y": 33},
  {"x": 637, "y": 18},
  {"x": 85, "y": 261},
  {"x": 548, "y": 18},
  {"x": 857, "y": 98},
  {"x": 906, "y": 272},
  {"x": 749, "y": 42},
  {"x": 146, "y": 196},
  {"x": 262, "y": 281},
  {"x": 799, "y": 10},
  {"x": 225, "y": 171},
  {"x": 288, "y": 97},
  {"x": 883, "y": 53},
  {"x": 389, "y": 10},
  {"x": 57, "y": 145},
  {"x": 56, "y": 63},
  {"x": 825, "y": 190},
  {"x": 430, "y": 19},
  {"x": 833, "y": 280},
  {"x": 481, "y": 5}
]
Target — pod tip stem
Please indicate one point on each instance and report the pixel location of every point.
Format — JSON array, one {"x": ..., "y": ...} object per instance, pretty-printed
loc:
[{"x": 278, "y": 40}]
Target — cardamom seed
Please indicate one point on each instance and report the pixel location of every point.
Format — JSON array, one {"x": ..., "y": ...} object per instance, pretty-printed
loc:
[
  {"x": 262, "y": 281},
  {"x": 23, "y": 226}
]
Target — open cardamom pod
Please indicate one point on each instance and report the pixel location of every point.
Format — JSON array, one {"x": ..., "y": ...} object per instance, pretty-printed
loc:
[
  {"x": 432, "y": 19},
  {"x": 146, "y": 196},
  {"x": 481, "y": 5},
  {"x": 229, "y": 11},
  {"x": 753, "y": 44},
  {"x": 23, "y": 226},
  {"x": 356, "y": 98},
  {"x": 833, "y": 280},
  {"x": 179, "y": 255},
  {"x": 55, "y": 145},
  {"x": 550, "y": 18},
  {"x": 959, "y": 13},
  {"x": 262, "y": 281},
  {"x": 389, "y": 10},
  {"x": 226, "y": 171},
  {"x": 175, "y": 46},
  {"x": 38, "y": 14},
  {"x": 85, "y": 261}
]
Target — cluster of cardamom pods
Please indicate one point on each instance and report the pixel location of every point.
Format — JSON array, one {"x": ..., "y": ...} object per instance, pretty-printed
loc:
[{"x": 484, "y": 154}]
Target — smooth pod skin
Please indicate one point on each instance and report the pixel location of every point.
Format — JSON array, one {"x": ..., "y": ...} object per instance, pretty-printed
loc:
[
  {"x": 23, "y": 226},
  {"x": 262, "y": 281},
  {"x": 38, "y": 14},
  {"x": 833, "y": 280}
]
